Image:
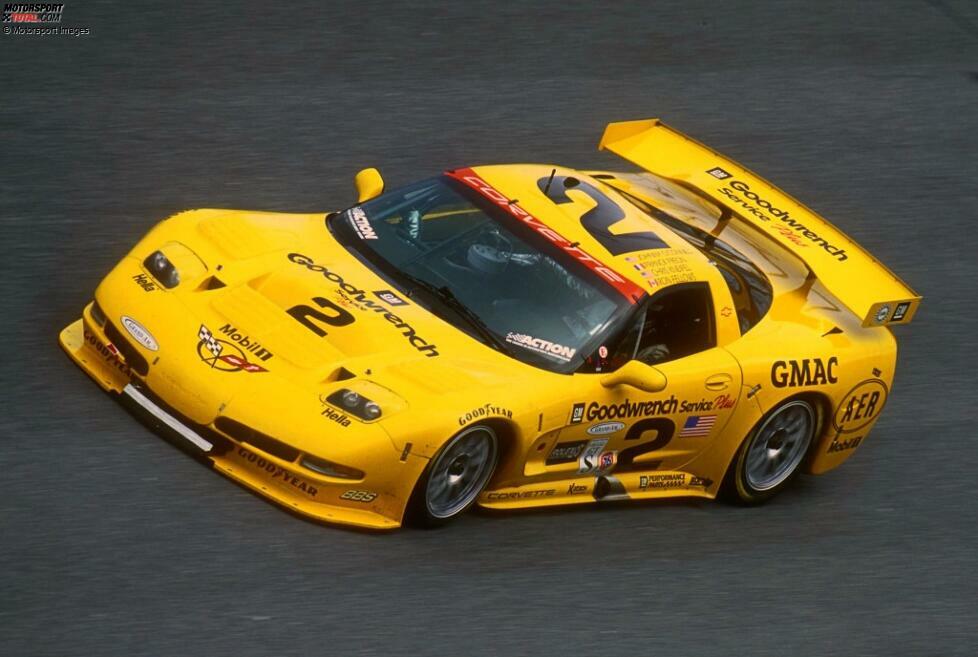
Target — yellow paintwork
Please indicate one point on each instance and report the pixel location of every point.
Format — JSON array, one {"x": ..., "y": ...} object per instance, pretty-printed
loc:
[{"x": 427, "y": 399}]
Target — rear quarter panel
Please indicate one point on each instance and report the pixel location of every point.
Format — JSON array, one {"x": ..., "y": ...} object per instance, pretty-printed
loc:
[{"x": 811, "y": 346}]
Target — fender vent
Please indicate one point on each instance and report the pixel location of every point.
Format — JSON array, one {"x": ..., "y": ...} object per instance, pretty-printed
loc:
[{"x": 210, "y": 283}]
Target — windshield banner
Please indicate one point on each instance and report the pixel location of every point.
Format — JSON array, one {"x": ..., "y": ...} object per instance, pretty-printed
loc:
[{"x": 628, "y": 289}]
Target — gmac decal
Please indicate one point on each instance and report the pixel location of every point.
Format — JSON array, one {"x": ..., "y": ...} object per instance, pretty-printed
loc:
[{"x": 807, "y": 372}]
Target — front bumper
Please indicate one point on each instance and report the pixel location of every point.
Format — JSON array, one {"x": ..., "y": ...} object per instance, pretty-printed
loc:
[{"x": 376, "y": 503}]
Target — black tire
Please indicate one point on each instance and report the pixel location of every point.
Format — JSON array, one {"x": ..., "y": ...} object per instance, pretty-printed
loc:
[
  {"x": 454, "y": 478},
  {"x": 772, "y": 453}
]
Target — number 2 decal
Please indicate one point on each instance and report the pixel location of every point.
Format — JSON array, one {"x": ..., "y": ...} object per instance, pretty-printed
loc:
[
  {"x": 664, "y": 428},
  {"x": 308, "y": 316},
  {"x": 599, "y": 219}
]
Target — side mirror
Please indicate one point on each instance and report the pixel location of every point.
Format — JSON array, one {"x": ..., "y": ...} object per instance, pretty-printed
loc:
[
  {"x": 369, "y": 184},
  {"x": 637, "y": 375}
]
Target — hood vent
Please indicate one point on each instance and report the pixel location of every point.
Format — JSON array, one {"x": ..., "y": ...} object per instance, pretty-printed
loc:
[{"x": 210, "y": 283}]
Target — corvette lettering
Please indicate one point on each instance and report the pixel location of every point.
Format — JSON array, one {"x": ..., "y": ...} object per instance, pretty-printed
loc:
[
  {"x": 806, "y": 372},
  {"x": 516, "y": 495},
  {"x": 630, "y": 290},
  {"x": 596, "y": 411},
  {"x": 360, "y": 297},
  {"x": 783, "y": 216},
  {"x": 488, "y": 410},
  {"x": 541, "y": 346}
]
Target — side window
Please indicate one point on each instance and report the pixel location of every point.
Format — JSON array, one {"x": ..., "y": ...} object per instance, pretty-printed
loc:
[
  {"x": 678, "y": 323},
  {"x": 750, "y": 289}
]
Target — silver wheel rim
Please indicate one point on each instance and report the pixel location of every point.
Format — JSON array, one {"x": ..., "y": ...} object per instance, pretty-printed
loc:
[
  {"x": 779, "y": 446},
  {"x": 460, "y": 472}
]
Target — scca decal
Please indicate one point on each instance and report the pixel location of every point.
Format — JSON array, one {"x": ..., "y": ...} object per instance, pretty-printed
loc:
[{"x": 806, "y": 372}]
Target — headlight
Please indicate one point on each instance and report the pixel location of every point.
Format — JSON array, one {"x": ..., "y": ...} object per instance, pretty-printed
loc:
[
  {"x": 162, "y": 269},
  {"x": 371, "y": 410},
  {"x": 97, "y": 314},
  {"x": 355, "y": 404}
]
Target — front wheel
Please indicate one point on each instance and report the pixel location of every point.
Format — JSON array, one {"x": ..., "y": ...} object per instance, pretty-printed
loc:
[
  {"x": 771, "y": 454},
  {"x": 455, "y": 477}
]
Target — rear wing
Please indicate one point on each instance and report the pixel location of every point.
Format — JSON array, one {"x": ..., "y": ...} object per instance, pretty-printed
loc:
[{"x": 860, "y": 281}]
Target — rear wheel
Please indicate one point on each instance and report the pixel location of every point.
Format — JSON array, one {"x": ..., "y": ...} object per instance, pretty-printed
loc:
[
  {"x": 455, "y": 477},
  {"x": 771, "y": 454}
]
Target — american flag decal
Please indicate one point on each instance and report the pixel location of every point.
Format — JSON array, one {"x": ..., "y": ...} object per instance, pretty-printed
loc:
[{"x": 698, "y": 425}]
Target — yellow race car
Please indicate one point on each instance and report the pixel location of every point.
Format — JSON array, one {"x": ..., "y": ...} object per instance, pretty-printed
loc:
[{"x": 512, "y": 336}]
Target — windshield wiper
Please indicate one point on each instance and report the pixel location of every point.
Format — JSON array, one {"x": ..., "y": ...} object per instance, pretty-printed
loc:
[{"x": 446, "y": 296}]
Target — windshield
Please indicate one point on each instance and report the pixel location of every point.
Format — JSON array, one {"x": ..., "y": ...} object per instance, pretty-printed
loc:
[{"x": 485, "y": 272}]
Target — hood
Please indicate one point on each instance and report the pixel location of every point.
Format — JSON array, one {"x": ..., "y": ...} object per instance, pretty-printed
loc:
[{"x": 291, "y": 299}]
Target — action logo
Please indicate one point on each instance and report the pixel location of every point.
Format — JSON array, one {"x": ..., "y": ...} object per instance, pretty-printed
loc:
[{"x": 358, "y": 218}]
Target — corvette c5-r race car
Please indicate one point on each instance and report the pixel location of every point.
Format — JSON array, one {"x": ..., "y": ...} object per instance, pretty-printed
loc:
[{"x": 512, "y": 336}]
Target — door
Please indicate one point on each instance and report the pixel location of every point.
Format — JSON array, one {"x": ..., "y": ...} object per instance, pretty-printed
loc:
[{"x": 623, "y": 429}]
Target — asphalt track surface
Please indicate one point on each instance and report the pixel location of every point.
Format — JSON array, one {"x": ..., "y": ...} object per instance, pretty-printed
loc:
[{"x": 112, "y": 542}]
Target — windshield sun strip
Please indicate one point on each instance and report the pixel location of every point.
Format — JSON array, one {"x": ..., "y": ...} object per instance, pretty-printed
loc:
[{"x": 632, "y": 292}]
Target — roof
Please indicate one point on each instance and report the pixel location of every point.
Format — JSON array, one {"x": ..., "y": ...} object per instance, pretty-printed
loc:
[{"x": 635, "y": 245}]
